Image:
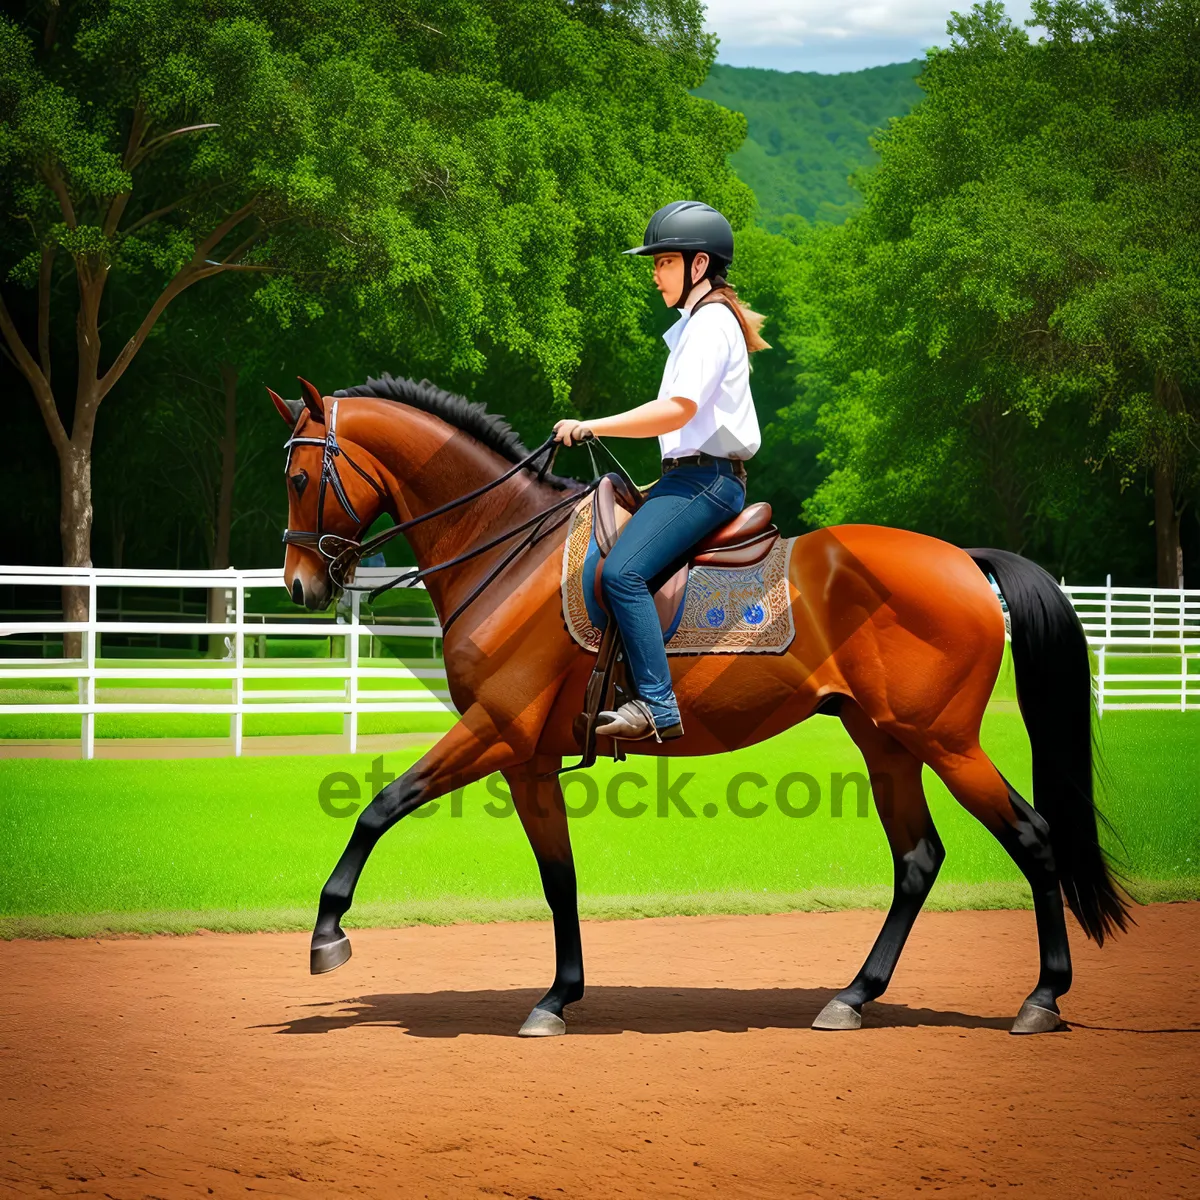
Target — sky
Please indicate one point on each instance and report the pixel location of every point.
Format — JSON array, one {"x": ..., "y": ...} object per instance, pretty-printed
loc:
[{"x": 834, "y": 35}]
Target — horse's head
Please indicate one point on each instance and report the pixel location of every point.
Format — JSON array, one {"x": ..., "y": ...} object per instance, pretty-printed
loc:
[{"x": 332, "y": 498}]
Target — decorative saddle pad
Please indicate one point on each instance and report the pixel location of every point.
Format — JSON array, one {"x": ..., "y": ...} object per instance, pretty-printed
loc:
[{"x": 726, "y": 610}]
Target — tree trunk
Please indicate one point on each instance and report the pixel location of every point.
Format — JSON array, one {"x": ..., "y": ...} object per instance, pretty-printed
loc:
[
  {"x": 997, "y": 439},
  {"x": 218, "y": 597},
  {"x": 1168, "y": 551},
  {"x": 1168, "y": 548},
  {"x": 75, "y": 529},
  {"x": 75, "y": 455}
]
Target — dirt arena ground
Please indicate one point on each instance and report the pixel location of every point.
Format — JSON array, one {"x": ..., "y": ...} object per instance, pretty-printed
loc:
[{"x": 214, "y": 1065}]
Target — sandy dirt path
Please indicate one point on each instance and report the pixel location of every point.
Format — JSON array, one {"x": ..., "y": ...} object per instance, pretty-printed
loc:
[{"x": 214, "y": 1065}]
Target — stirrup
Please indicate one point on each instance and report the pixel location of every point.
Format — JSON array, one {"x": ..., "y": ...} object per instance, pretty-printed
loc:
[{"x": 634, "y": 722}]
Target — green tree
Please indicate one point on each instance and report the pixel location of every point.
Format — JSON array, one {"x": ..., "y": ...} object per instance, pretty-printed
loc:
[
  {"x": 773, "y": 273},
  {"x": 1016, "y": 307},
  {"x": 457, "y": 179}
]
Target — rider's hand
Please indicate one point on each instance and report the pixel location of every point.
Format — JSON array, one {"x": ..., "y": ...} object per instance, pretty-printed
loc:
[{"x": 569, "y": 431}]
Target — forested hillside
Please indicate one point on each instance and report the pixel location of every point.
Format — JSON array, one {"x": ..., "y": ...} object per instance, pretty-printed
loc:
[{"x": 808, "y": 132}]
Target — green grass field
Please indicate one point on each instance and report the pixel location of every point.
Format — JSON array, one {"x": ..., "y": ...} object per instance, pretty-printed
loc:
[{"x": 245, "y": 843}]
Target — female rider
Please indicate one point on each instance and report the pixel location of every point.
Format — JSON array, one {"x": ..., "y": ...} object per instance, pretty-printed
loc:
[{"x": 706, "y": 425}]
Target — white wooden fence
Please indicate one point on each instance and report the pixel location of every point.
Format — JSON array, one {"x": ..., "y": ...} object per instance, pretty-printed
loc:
[
  {"x": 1136, "y": 624},
  {"x": 1121, "y": 623},
  {"x": 349, "y": 669}
]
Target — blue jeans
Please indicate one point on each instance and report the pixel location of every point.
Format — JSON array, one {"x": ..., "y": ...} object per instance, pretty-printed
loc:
[{"x": 680, "y": 509}]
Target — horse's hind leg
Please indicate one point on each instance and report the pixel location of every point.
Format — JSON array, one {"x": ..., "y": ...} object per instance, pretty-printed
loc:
[
  {"x": 917, "y": 855},
  {"x": 974, "y": 781},
  {"x": 537, "y": 796}
]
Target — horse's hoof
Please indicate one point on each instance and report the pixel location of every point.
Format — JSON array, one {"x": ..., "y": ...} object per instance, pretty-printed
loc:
[
  {"x": 1034, "y": 1019},
  {"x": 837, "y": 1014},
  {"x": 330, "y": 956},
  {"x": 542, "y": 1023}
]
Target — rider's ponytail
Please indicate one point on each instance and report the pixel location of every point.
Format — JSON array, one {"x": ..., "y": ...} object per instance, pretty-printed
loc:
[{"x": 750, "y": 321}]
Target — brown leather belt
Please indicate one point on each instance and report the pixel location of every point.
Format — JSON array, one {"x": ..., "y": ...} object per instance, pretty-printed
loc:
[{"x": 704, "y": 460}]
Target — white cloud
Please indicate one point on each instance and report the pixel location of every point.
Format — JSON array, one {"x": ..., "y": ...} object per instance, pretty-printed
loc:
[{"x": 825, "y": 35}]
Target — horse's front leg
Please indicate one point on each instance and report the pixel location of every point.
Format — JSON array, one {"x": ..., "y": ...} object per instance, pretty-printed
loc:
[
  {"x": 537, "y": 796},
  {"x": 473, "y": 749}
]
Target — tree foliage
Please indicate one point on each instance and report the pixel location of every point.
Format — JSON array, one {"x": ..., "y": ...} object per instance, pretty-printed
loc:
[
  {"x": 998, "y": 345},
  {"x": 1013, "y": 318},
  {"x": 450, "y": 179}
]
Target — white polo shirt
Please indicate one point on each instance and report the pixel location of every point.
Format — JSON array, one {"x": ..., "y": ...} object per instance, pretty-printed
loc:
[{"x": 709, "y": 364}]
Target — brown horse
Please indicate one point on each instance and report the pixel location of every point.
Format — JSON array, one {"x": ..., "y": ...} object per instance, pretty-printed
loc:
[{"x": 898, "y": 634}]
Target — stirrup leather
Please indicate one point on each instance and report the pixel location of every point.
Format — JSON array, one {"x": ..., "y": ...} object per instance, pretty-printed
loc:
[{"x": 606, "y": 686}]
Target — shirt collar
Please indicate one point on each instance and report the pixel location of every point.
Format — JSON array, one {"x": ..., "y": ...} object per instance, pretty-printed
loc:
[{"x": 672, "y": 335}]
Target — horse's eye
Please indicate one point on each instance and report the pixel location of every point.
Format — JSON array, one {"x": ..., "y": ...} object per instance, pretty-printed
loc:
[{"x": 300, "y": 482}]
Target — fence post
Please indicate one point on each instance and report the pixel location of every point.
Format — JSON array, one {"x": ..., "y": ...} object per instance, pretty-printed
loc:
[
  {"x": 239, "y": 661},
  {"x": 352, "y": 676},
  {"x": 89, "y": 694},
  {"x": 1100, "y": 679}
]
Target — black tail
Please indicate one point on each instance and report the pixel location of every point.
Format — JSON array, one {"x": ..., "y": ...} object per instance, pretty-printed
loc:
[{"x": 1054, "y": 692}]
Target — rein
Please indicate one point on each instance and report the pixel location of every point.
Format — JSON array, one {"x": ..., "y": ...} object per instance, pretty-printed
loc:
[{"x": 343, "y": 554}]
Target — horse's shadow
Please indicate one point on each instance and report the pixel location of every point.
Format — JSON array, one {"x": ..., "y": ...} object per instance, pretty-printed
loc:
[{"x": 610, "y": 1010}]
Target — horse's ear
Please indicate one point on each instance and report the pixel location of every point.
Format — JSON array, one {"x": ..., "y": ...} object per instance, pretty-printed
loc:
[
  {"x": 313, "y": 401},
  {"x": 289, "y": 410}
]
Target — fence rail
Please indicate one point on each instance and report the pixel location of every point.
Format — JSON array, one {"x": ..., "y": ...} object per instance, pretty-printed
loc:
[
  {"x": 1133, "y": 625},
  {"x": 351, "y": 701},
  {"x": 1122, "y": 625}
]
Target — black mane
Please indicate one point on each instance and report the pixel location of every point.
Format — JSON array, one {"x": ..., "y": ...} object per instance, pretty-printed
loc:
[{"x": 470, "y": 416}]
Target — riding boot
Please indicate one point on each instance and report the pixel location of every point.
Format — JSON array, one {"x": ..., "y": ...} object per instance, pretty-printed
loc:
[{"x": 634, "y": 722}]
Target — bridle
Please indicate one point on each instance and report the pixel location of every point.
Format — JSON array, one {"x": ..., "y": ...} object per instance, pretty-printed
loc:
[
  {"x": 344, "y": 553},
  {"x": 317, "y": 538}
]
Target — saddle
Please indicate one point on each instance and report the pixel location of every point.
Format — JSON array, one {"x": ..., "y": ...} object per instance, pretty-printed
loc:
[{"x": 741, "y": 542}]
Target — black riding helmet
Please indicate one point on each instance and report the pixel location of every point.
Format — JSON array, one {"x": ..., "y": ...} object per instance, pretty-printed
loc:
[{"x": 689, "y": 227}]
